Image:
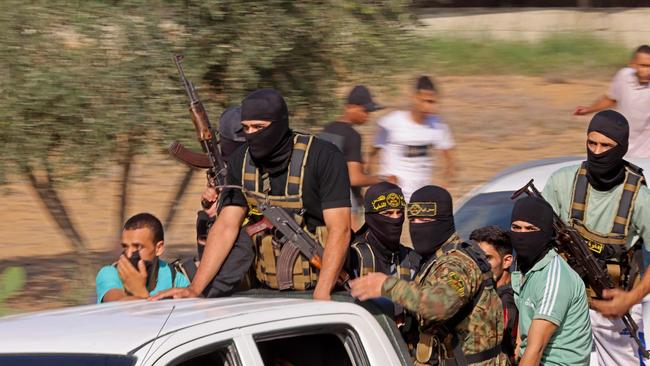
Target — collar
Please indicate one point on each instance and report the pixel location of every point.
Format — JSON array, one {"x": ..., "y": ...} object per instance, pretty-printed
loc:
[{"x": 518, "y": 279}]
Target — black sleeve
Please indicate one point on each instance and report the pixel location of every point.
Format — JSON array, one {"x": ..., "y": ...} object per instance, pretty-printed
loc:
[
  {"x": 352, "y": 148},
  {"x": 332, "y": 177},
  {"x": 234, "y": 196}
]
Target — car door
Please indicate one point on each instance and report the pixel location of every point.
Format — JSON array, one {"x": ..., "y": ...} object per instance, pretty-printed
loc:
[{"x": 323, "y": 340}]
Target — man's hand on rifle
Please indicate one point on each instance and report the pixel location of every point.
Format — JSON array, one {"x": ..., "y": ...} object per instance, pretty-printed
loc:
[
  {"x": 175, "y": 293},
  {"x": 615, "y": 303}
]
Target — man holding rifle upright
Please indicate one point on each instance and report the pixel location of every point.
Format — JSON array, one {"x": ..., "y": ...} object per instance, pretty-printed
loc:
[
  {"x": 305, "y": 177},
  {"x": 606, "y": 201}
]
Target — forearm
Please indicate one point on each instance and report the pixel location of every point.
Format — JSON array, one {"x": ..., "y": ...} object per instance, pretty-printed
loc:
[
  {"x": 336, "y": 248},
  {"x": 423, "y": 299},
  {"x": 531, "y": 357},
  {"x": 601, "y": 103}
]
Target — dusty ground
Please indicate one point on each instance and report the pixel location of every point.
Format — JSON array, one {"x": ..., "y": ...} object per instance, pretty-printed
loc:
[{"x": 497, "y": 122}]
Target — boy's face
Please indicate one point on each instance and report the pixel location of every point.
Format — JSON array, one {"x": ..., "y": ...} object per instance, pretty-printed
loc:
[
  {"x": 498, "y": 263},
  {"x": 426, "y": 102},
  {"x": 141, "y": 240}
]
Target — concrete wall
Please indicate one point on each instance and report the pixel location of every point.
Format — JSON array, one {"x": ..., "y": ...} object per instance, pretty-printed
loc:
[{"x": 630, "y": 26}]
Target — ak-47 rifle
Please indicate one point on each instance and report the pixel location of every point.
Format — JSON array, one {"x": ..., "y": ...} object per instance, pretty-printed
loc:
[
  {"x": 572, "y": 245},
  {"x": 207, "y": 136},
  {"x": 294, "y": 241}
]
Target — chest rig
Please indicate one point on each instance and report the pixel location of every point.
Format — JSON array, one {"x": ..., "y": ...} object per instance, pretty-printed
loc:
[
  {"x": 438, "y": 343},
  {"x": 610, "y": 247},
  {"x": 266, "y": 243},
  {"x": 405, "y": 262}
]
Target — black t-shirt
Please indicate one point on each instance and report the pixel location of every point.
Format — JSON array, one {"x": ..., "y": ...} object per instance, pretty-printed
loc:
[
  {"x": 510, "y": 309},
  {"x": 351, "y": 142},
  {"x": 325, "y": 183}
]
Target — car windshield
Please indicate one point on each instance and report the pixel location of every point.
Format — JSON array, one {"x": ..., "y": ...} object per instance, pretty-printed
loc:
[
  {"x": 482, "y": 210},
  {"x": 62, "y": 359}
]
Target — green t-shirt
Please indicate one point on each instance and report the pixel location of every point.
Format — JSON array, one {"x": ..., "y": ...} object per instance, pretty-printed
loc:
[
  {"x": 552, "y": 291},
  {"x": 601, "y": 205}
]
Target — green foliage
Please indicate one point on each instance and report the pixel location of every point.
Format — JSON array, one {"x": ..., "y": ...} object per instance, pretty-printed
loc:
[
  {"x": 12, "y": 280},
  {"x": 570, "y": 54},
  {"x": 81, "y": 77}
]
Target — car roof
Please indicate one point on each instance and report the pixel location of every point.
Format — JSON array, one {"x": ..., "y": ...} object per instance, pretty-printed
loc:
[
  {"x": 517, "y": 176},
  {"x": 121, "y": 327}
]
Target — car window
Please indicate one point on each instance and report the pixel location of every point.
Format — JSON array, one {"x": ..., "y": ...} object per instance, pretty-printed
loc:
[
  {"x": 322, "y": 346},
  {"x": 213, "y": 355},
  {"x": 485, "y": 209}
]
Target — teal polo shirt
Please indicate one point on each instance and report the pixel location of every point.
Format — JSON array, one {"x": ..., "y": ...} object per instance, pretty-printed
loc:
[
  {"x": 553, "y": 291},
  {"x": 108, "y": 278}
]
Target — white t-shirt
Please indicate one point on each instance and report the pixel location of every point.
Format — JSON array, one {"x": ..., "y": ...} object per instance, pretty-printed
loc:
[
  {"x": 407, "y": 148},
  {"x": 633, "y": 101}
]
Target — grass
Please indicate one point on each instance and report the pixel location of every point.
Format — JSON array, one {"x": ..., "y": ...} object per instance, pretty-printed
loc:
[{"x": 567, "y": 55}]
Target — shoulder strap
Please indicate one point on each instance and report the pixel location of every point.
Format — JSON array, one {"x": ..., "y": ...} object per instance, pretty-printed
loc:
[
  {"x": 631, "y": 187},
  {"x": 580, "y": 190},
  {"x": 301, "y": 145},
  {"x": 173, "y": 270},
  {"x": 366, "y": 257}
]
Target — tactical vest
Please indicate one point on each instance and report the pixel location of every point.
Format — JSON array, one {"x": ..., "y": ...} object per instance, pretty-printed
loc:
[
  {"x": 433, "y": 338},
  {"x": 406, "y": 262},
  {"x": 608, "y": 247},
  {"x": 267, "y": 249}
]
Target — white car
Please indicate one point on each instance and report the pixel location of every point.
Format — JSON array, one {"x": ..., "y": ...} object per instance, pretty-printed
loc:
[
  {"x": 228, "y": 331},
  {"x": 490, "y": 203}
]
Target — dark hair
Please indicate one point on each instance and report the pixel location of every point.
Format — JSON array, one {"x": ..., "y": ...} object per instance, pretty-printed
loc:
[
  {"x": 149, "y": 221},
  {"x": 494, "y": 236},
  {"x": 643, "y": 49},
  {"x": 424, "y": 83}
]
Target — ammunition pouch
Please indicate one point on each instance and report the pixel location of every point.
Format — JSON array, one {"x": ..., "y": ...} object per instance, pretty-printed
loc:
[{"x": 403, "y": 265}]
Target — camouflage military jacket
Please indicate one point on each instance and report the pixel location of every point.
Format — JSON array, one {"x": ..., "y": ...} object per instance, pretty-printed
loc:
[{"x": 440, "y": 290}]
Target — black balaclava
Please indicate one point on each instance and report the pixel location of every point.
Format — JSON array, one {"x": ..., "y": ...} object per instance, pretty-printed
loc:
[
  {"x": 230, "y": 131},
  {"x": 384, "y": 232},
  {"x": 430, "y": 202},
  {"x": 531, "y": 246},
  {"x": 607, "y": 170},
  {"x": 270, "y": 147}
]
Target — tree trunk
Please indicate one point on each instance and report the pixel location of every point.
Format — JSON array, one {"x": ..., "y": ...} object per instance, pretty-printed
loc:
[
  {"x": 181, "y": 188},
  {"x": 57, "y": 210},
  {"x": 125, "y": 164}
]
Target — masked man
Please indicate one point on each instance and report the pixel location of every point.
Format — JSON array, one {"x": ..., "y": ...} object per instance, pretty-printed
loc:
[
  {"x": 605, "y": 199},
  {"x": 305, "y": 176},
  {"x": 453, "y": 295},
  {"x": 376, "y": 246},
  {"x": 553, "y": 313}
]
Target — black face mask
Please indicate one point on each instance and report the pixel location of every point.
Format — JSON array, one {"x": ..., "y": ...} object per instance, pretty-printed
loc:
[
  {"x": 428, "y": 237},
  {"x": 384, "y": 231},
  {"x": 430, "y": 202},
  {"x": 606, "y": 170},
  {"x": 530, "y": 247},
  {"x": 272, "y": 157},
  {"x": 270, "y": 147}
]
